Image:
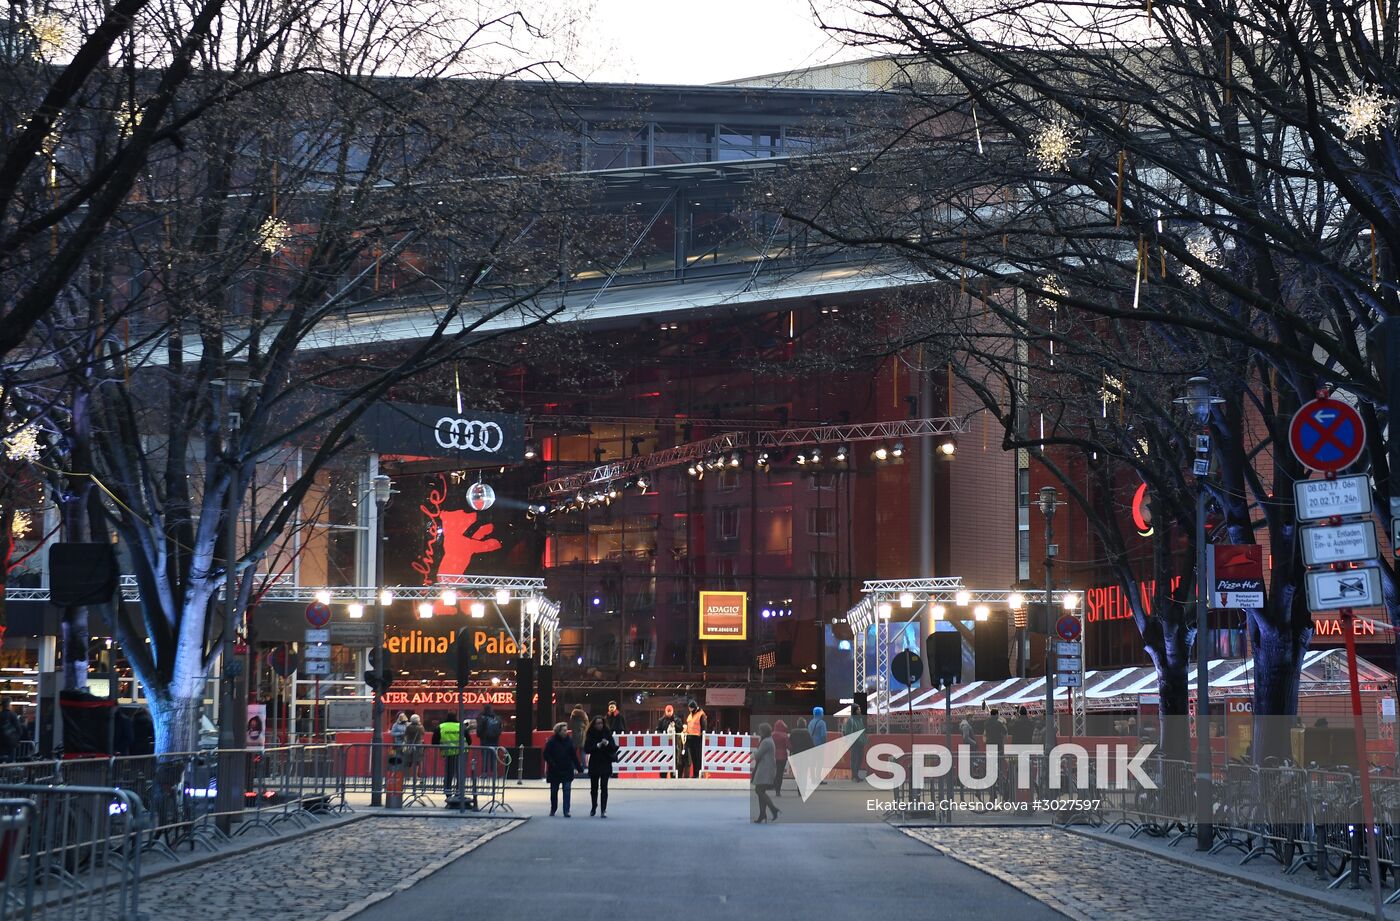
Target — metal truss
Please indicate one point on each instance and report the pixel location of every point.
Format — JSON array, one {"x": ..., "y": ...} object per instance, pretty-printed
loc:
[
  {"x": 606, "y": 474},
  {"x": 881, "y": 599},
  {"x": 282, "y": 588}
]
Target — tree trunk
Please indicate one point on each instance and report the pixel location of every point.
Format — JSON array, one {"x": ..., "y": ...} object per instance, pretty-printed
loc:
[
  {"x": 1173, "y": 662},
  {"x": 1278, "y": 660},
  {"x": 176, "y": 723}
]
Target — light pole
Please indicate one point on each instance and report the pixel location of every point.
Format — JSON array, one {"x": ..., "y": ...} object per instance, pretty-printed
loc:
[
  {"x": 382, "y": 488},
  {"x": 233, "y": 694},
  {"x": 1048, "y": 504},
  {"x": 1199, "y": 401}
]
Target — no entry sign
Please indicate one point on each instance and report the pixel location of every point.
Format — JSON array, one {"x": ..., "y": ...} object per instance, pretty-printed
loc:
[
  {"x": 1327, "y": 435},
  {"x": 318, "y": 614},
  {"x": 1067, "y": 628}
]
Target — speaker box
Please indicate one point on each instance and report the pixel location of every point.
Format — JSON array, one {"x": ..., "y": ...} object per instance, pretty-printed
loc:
[
  {"x": 524, "y": 701},
  {"x": 544, "y": 713},
  {"x": 81, "y": 574},
  {"x": 945, "y": 657},
  {"x": 991, "y": 644}
]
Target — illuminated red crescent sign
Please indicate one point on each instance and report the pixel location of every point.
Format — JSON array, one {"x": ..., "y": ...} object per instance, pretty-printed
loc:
[{"x": 1142, "y": 512}]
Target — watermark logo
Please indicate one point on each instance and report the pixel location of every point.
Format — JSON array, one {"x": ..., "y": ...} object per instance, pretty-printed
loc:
[
  {"x": 1115, "y": 766},
  {"x": 811, "y": 767}
]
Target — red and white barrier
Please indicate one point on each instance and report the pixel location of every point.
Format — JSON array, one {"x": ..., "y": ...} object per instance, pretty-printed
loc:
[
  {"x": 645, "y": 753},
  {"x": 727, "y": 754}
]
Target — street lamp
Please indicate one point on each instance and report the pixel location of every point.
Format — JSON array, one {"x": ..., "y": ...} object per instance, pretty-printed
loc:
[
  {"x": 1199, "y": 400},
  {"x": 1048, "y": 503},
  {"x": 382, "y": 488}
]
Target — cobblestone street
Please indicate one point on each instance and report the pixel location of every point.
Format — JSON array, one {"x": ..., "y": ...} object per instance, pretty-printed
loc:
[
  {"x": 315, "y": 876},
  {"x": 1089, "y": 879}
]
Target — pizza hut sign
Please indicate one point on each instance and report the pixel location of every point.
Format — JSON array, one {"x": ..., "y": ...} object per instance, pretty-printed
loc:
[{"x": 1236, "y": 573}]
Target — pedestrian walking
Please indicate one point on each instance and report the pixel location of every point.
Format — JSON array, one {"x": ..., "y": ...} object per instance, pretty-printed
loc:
[
  {"x": 578, "y": 728},
  {"x": 855, "y": 726},
  {"x": 965, "y": 729},
  {"x": 780, "y": 755},
  {"x": 694, "y": 736},
  {"x": 601, "y": 749},
  {"x": 561, "y": 763},
  {"x": 763, "y": 772},
  {"x": 396, "y": 736},
  {"x": 817, "y": 726}
]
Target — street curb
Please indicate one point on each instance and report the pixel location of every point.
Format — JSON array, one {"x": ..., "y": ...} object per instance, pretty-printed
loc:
[
  {"x": 407, "y": 882},
  {"x": 1011, "y": 880},
  {"x": 249, "y": 845},
  {"x": 1302, "y": 893}
]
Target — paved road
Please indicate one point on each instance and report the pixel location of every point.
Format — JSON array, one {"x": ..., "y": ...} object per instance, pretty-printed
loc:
[
  {"x": 1091, "y": 880},
  {"x": 694, "y": 854}
]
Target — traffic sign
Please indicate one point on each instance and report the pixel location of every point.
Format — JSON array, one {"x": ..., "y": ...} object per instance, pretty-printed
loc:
[
  {"x": 907, "y": 668},
  {"x": 1069, "y": 650},
  {"x": 318, "y": 614},
  {"x": 1344, "y": 495},
  {"x": 353, "y": 634},
  {"x": 1332, "y": 590},
  {"x": 1348, "y": 542},
  {"x": 1067, "y": 627},
  {"x": 1069, "y": 680},
  {"x": 1327, "y": 435},
  {"x": 319, "y": 651},
  {"x": 318, "y": 636},
  {"x": 316, "y": 667}
]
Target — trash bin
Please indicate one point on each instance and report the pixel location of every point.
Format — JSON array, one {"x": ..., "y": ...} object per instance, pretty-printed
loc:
[{"x": 393, "y": 790}]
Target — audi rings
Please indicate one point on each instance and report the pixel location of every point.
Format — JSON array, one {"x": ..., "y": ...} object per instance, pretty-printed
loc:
[{"x": 469, "y": 434}]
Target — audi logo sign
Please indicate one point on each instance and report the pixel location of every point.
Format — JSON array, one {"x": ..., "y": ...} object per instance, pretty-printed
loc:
[
  {"x": 469, "y": 434},
  {"x": 419, "y": 430}
]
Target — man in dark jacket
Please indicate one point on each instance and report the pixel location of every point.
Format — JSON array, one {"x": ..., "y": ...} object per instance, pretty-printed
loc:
[
  {"x": 1022, "y": 728},
  {"x": 615, "y": 721},
  {"x": 561, "y": 763},
  {"x": 10, "y": 731},
  {"x": 488, "y": 733}
]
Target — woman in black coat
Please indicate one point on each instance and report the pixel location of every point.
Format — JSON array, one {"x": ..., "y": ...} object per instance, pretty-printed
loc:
[
  {"x": 601, "y": 749},
  {"x": 561, "y": 763}
]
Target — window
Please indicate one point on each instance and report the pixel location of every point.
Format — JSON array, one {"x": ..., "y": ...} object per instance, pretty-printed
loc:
[
  {"x": 1023, "y": 553},
  {"x": 726, "y": 568},
  {"x": 746, "y": 143},
  {"x": 822, "y": 481},
  {"x": 728, "y": 523},
  {"x": 616, "y": 148},
  {"x": 727, "y": 480},
  {"x": 1023, "y": 488},
  {"x": 683, "y": 144},
  {"x": 821, "y": 521},
  {"x": 823, "y": 564}
]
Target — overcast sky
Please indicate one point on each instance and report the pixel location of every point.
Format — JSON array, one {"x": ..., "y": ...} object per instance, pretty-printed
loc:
[{"x": 678, "y": 41}]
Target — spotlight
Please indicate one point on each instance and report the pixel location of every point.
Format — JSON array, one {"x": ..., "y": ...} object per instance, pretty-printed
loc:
[
  {"x": 612, "y": 492},
  {"x": 495, "y": 679},
  {"x": 1070, "y": 601},
  {"x": 801, "y": 460},
  {"x": 478, "y": 609},
  {"x": 356, "y": 610},
  {"x": 503, "y": 596},
  {"x": 948, "y": 447},
  {"x": 962, "y": 598},
  {"x": 386, "y": 598},
  {"x": 323, "y": 596},
  {"x": 579, "y": 660},
  {"x": 981, "y": 612},
  {"x": 884, "y": 610},
  {"x": 632, "y": 663},
  {"x": 816, "y": 455},
  {"x": 763, "y": 461},
  {"x": 897, "y": 450},
  {"x": 841, "y": 454},
  {"x": 1015, "y": 600},
  {"x": 531, "y": 452},
  {"x": 906, "y": 599},
  {"x": 449, "y": 597},
  {"x": 691, "y": 470},
  {"x": 939, "y": 612},
  {"x": 881, "y": 454},
  {"x": 642, "y": 483},
  {"x": 734, "y": 459},
  {"x": 425, "y": 610}
]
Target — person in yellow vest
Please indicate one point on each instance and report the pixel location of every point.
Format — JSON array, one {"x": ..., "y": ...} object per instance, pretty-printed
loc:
[
  {"x": 450, "y": 739},
  {"x": 694, "y": 736}
]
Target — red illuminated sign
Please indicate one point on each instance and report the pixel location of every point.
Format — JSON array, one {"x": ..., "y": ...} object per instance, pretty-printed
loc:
[
  {"x": 1109, "y": 602},
  {"x": 1328, "y": 629}
]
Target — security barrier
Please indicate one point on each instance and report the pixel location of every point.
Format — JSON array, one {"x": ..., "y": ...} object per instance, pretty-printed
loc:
[
  {"x": 645, "y": 753},
  {"x": 726, "y": 754}
]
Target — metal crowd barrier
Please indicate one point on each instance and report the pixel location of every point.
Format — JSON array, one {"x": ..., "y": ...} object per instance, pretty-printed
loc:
[
  {"x": 423, "y": 775},
  {"x": 70, "y": 852}
]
